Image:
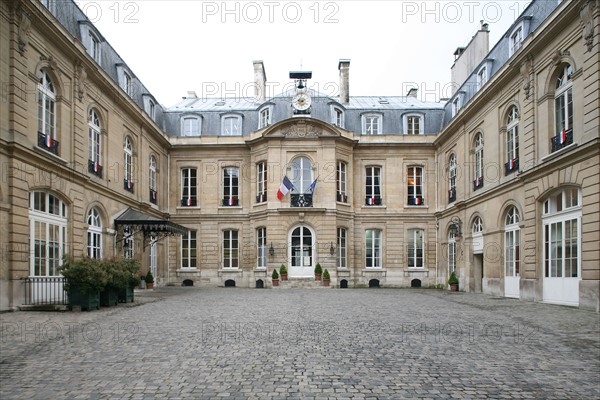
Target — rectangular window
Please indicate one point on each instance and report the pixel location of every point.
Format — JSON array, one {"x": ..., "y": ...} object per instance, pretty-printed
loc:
[
  {"x": 230, "y": 249},
  {"x": 481, "y": 77},
  {"x": 413, "y": 125},
  {"x": 190, "y": 126},
  {"x": 265, "y": 118},
  {"x": 94, "y": 48},
  {"x": 126, "y": 83},
  {"x": 341, "y": 248},
  {"x": 373, "y": 248},
  {"x": 188, "y": 187},
  {"x": 261, "y": 182},
  {"x": 232, "y": 126},
  {"x": 512, "y": 255},
  {"x": 561, "y": 242},
  {"x": 342, "y": 195},
  {"x": 339, "y": 118},
  {"x": 372, "y": 125},
  {"x": 515, "y": 40},
  {"x": 230, "y": 186},
  {"x": 261, "y": 248},
  {"x": 188, "y": 250},
  {"x": 415, "y": 248},
  {"x": 373, "y": 186},
  {"x": 415, "y": 186}
]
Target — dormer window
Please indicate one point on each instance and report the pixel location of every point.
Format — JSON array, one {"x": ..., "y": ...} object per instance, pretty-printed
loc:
[
  {"x": 337, "y": 117},
  {"x": 413, "y": 124},
  {"x": 190, "y": 126},
  {"x": 150, "y": 106},
  {"x": 372, "y": 124},
  {"x": 91, "y": 39},
  {"x": 126, "y": 83},
  {"x": 94, "y": 47},
  {"x": 516, "y": 38},
  {"x": 482, "y": 77},
  {"x": 125, "y": 79},
  {"x": 151, "y": 109},
  {"x": 264, "y": 118},
  {"x": 456, "y": 104},
  {"x": 231, "y": 125}
]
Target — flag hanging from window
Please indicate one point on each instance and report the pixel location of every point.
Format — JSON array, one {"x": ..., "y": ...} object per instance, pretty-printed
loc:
[
  {"x": 285, "y": 187},
  {"x": 313, "y": 186},
  {"x": 563, "y": 136},
  {"x": 188, "y": 201},
  {"x": 49, "y": 141}
]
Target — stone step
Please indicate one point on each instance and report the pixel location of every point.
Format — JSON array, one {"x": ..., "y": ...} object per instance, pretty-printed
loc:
[{"x": 301, "y": 283}]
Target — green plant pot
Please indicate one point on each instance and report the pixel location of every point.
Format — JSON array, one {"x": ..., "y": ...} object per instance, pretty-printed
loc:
[
  {"x": 87, "y": 301},
  {"x": 126, "y": 295},
  {"x": 109, "y": 297}
]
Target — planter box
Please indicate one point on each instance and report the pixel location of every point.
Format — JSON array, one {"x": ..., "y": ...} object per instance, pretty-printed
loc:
[
  {"x": 126, "y": 295},
  {"x": 87, "y": 301},
  {"x": 109, "y": 297}
]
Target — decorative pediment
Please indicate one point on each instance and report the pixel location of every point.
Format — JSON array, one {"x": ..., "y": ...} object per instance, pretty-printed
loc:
[{"x": 301, "y": 128}]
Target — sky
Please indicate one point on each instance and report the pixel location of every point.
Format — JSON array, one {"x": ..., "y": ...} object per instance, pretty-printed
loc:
[{"x": 176, "y": 46}]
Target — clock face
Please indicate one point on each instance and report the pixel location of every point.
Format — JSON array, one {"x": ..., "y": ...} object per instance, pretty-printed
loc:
[{"x": 301, "y": 101}]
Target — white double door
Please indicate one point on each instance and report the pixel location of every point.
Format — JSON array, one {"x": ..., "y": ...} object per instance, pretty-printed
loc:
[{"x": 301, "y": 252}]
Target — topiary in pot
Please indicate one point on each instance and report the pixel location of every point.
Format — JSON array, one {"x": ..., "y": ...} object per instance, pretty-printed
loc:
[
  {"x": 149, "y": 280},
  {"x": 283, "y": 272},
  {"x": 453, "y": 282},
  {"x": 326, "y": 278},
  {"x": 318, "y": 272},
  {"x": 275, "y": 278}
]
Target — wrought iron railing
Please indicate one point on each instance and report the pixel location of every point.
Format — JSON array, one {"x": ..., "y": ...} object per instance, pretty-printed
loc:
[
  {"x": 342, "y": 197},
  {"x": 373, "y": 201},
  {"x": 153, "y": 196},
  {"x": 511, "y": 166},
  {"x": 478, "y": 183},
  {"x": 302, "y": 200},
  {"x": 189, "y": 202},
  {"x": 563, "y": 139},
  {"x": 95, "y": 168},
  {"x": 451, "y": 195},
  {"x": 48, "y": 143},
  {"x": 416, "y": 201},
  {"x": 128, "y": 185},
  {"x": 261, "y": 198},
  {"x": 230, "y": 202},
  {"x": 45, "y": 290}
]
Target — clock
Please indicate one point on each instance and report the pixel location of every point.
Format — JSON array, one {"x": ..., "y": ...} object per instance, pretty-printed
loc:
[{"x": 301, "y": 101}]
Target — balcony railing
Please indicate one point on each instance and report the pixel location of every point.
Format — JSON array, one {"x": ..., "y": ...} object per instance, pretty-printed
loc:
[
  {"x": 302, "y": 200},
  {"x": 230, "y": 202},
  {"x": 511, "y": 166},
  {"x": 478, "y": 183},
  {"x": 48, "y": 143},
  {"x": 45, "y": 290},
  {"x": 451, "y": 195},
  {"x": 373, "y": 201},
  {"x": 128, "y": 185},
  {"x": 342, "y": 197},
  {"x": 95, "y": 168},
  {"x": 189, "y": 202},
  {"x": 261, "y": 198},
  {"x": 416, "y": 201},
  {"x": 153, "y": 196},
  {"x": 561, "y": 140}
]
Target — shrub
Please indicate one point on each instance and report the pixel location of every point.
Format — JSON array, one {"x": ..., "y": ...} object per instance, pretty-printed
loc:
[
  {"x": 453, "y": 280},
  {"x": 149, "y": 277},
  {"x": 275, "y": 275},
  {"x": 282, "y": 269},
  {"x": 326, "y": 276},
  {"x": 318, "y": 269},
  {"x": 86, "y": 275}
]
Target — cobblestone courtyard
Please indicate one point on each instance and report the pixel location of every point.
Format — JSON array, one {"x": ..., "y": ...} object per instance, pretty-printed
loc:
[{"x": 303, "y": 344}]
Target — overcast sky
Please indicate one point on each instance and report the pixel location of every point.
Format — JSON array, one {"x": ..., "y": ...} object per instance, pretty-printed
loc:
[{"x": 209, "y": 46}]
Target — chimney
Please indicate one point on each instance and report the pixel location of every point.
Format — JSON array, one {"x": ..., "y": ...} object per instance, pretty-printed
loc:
[
  {"x": 344, "y": 67},
  {"x": 412, "y": 92},
  {"x": 260, "y": 81},
  {"x": 467, "y": 58}
]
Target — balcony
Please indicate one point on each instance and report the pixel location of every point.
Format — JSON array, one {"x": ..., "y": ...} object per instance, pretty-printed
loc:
[
  {"x": 48, "y": 143},
  {"x": 562, "y": 140},
  {"x": 511, "y": 166},
  {"x": 261, "y": 198},
  {"x": 302, "y": 200},
  {"x": 128, "y": 185},
  {"x": 478, "y": 183},
  {"x": 95, "y": 168},
  {"x": 189, "y": 202},
  {"x": 342, "y": 197},
  {"x": 153, "y": 196},
  {"x": 451, "y": 195},
  {"x": 45, "y": 290},
  {"x": 373, "y": 201},
  {"x": 230, "y": 202},
  {"x": 416, "y": 201}
]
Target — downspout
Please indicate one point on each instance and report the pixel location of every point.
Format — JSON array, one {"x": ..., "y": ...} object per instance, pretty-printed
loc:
[
  {"x": 169, "y": 209},
  {"x": 437, "y": 227}
]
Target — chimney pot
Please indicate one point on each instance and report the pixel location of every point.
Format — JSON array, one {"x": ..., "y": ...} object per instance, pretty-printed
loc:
[
  {"x": 260, "y": 81},
  {"x": 344, "y": 68}
]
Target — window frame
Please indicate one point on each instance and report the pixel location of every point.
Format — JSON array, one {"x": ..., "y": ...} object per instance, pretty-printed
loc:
[
  {"x": 478, "y": 164},
  {"x": 152, "y": 179},
  {"x": 406, "y": 122},
  {"x": 230, "y": 184},
  {"x": 261, "y": 248},
  {"x": 374, "y": 190},
  {"x": 482, "y": 76},
  {"x": 376, "y": 249},
  {"x": 512, "y": 243},
  {"x": 128, "y": 163},
  {"x": 46, "y": 91},
  {"x": 94, "y": 234},
  {"x": 234, "y": 255},
  {"x": 514, "y": 46},
  {"x": 563, "y": 92},
  {"x": 265, "y": 116},
  {"x": 512, "y": 138},
  {"x": 337, "y": 116},
  {"x": 414, "y": 191},
  {"x": 342, "y": 248},
  {"x": 53, "y": 219},
  {"x": 95, "y": 140},
  {"x": 302, "y": 175},
  {"x": 224, "y": 119},
  {"x": 190, "y": 132},
  {"x": 365, "y": 118},
  {"x": 416, "y": 246},
  {"x": 341, "y": 183},
  {"x": 261, "y": 182},
  {"x": 189, "y": 250},
  {"x": 452, "y": 174},
  {"x": 189, "y": 186}
]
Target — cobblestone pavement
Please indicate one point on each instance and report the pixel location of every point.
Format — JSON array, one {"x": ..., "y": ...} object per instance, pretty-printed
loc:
[{"x": 303, "y": 344}]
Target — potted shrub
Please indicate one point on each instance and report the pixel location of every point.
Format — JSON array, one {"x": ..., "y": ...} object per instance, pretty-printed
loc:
[
  {"x": 326, "y": 278},
  {"x": 275, "y": 278},
  {"x": 283, "y": 272},
  {"x": 149, "y": 280},
  {"x": 318, "y": 272},
  {"x": 129, "y": 279},
  {"x": 84, "y": 279},
  {"x": 453, "y": 282}
]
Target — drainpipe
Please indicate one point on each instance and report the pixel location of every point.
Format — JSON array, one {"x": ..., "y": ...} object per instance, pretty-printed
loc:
[
  {"x": 169, "y": 209},
  {"x": 437, "y": 227}
]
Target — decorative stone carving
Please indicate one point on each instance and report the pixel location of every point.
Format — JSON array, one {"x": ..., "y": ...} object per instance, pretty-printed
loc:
[
  {"x": 302, "y": 129},
  {"x": 23, "y": 30},
  {"x": 80, "y": 78},
  {"x": 586, "y": 13},
  {"x": 526, "y": 72}
]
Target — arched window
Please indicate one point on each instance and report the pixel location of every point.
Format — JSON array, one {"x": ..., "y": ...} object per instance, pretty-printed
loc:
[
  {"x": 152, "y": 179},
  {"x": 563, "y": 108},
  {"x": 452, "y": 178},
  {"x": 512, "y": 141},
  {"x": 512, "y": 242},
  {"x": 46, "y": 113},
  {"x": 477, "y": 226},
  {"x": 478, "y": 173},
  {"x": 94, "y": 234},
  {"x": 301, "y": 175},
  {"x": 94, "y": 144},
  {"x": 48, "y": 233},
  {"x": 451, "y": 251},
  {"x": 128, "y": 165}
]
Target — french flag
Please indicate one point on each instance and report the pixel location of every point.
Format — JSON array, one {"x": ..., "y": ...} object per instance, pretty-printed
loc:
[
  {"x": 511, "y": 163},
  {"x": 231, "y": 201},
  {"x": 96, "y": 166},
  {"x": 285, "y": 187},
  {"x": 128, "y": 184},
  {"x": 563, "y": 136},
  {"x": 418, "y": 201},
  {"x": 153, "y": 195},
  {"x": 478, "y": 181},
  {"x": 49, "y": 141},
  {"x": 371, "y": 201},
  {"x": 188, "y": 201}
]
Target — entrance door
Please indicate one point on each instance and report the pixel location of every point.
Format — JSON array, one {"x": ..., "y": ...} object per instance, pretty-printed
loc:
[
  {"x": 478, "y": 272},
  {"x": 301, "y": 253},
  {"x": 511, "y": 263}
]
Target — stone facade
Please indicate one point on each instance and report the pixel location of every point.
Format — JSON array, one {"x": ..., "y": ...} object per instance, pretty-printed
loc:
[{"x": 519, "y": 90}]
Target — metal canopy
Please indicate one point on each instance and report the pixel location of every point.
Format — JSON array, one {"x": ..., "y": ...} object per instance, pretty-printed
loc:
[{"x": 149, "y": 225}]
